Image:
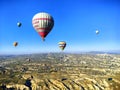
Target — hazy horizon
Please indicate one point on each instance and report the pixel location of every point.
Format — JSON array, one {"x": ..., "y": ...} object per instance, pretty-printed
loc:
[{"x": 64, "y": 52}]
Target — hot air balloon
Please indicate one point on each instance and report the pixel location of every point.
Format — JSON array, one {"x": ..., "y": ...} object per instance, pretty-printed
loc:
[
  {"x": 19, "y": 24},
  {"x": 43, "y": 23},
  {"x": 97, "y": 32},
  {"x": 62, "y": 45},
  {"x": 15, "y": 44}
]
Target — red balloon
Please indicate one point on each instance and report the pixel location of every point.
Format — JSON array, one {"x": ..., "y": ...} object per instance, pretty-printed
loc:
[{"x": 43, "y": 24}]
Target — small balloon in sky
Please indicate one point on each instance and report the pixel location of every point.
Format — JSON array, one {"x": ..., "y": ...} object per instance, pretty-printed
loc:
[
  {"x": 19, "y": 24},
  {"x": 62, "y": 45},
  {"x": 15, "y": 44},
  {"x": 97, "y": 31}
]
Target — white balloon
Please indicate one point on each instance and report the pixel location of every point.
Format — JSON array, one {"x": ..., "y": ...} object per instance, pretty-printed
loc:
[
  {"x": 43, "y": 23},
  {"x": 97, "y": 32}
]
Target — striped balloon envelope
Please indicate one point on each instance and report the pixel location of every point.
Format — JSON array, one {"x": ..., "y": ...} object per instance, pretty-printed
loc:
[
  {"x": 43, "y": 23},
  {"x": 62, "y": 45}
]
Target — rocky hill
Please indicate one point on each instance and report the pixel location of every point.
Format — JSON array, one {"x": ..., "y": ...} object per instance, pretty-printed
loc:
[{"x": 61, "y": 72}]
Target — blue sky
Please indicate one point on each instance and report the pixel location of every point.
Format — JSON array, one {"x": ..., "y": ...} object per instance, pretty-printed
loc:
[{"x": 75, "y": 22}]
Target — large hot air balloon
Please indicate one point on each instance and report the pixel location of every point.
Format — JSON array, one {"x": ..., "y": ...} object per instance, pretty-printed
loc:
[
  {"x": 62, "y": 45},
  {"x": 19, "y": 24},
  {"x": 43, "y": 24},
  {"x": 15, "y": 44}
]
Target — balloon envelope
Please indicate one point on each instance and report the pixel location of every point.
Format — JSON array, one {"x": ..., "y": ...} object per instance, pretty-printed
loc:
[
  {"x": 43, "y": 23},
  {"x": 97, "y": 32},
  {"x": 19, "y": 24},
  {"x": 15, "y": 44},
  {"x": 62, "y": 45}
]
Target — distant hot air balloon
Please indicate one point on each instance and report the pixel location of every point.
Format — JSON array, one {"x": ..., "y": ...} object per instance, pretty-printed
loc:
[
  {"x": 15, "y": 44},
  {"x": 43, "y": 23},
  {"x": 62, "y": 45},
  {"x": 19, "y": 24},
  {"x": 97, "y": 32}
]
